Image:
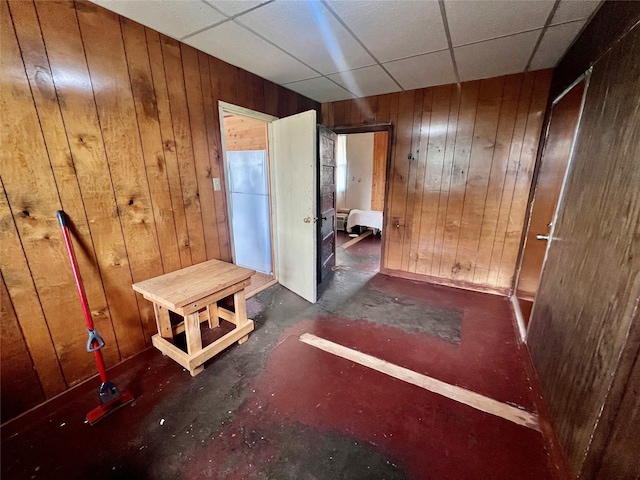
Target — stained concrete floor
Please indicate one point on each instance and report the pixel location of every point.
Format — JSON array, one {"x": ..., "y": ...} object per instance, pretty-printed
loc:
[{"x": 275, "y": 408}]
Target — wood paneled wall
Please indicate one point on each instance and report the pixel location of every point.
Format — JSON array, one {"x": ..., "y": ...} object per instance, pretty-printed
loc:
[
  {"x": 242, "y": 133},
  {"x": 118, "y": 125},
  {"x": 584, "y": 335},
  {"x": 460, "y": 176},
  {"x": 380, "y": 145}
]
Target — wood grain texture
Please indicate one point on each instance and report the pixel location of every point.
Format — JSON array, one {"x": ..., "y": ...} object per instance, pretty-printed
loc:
[
  {"x": 17, "y": 374},
  {"x": 579, "y": 336},
  {"x": 380, "y": 143},
  {"x": 119, "y": 126},
  {"x": 551, "y": 171},
  {"x": 618, "y": 461},
  {"x": 243, "y": 133},
  {"x": 462, "y": 165}
]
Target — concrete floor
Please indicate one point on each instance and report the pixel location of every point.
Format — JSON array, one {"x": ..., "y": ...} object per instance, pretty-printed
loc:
[{"x": 277, "y": 408}]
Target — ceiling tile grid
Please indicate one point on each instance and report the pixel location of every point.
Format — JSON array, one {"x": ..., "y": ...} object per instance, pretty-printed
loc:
[
  {"x": 501, "y": 56},
  {"x": 477, "y": 21},
  {"x": 171, "y": 17},
  {"x": 236, "y": 45},
  {"x": 423, "y": 70},
  {"x": 366, "y": 81},
  {"x": 311, "y": 34},
  {"x": 548, "y": 54},
  {"x": 394, "y": 29},
  {"x": 332, "y": 50},
  {"x": 320, "y": 89}
]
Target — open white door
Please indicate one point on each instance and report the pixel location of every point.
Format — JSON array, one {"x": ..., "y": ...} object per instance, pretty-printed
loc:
[{"x": 295, "y": 188}]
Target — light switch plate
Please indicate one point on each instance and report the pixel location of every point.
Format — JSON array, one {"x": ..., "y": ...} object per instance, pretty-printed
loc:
[{"x": 216, "y": 184}]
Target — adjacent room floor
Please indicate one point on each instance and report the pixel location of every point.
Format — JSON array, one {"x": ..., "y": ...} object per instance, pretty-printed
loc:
[
  {"x": 378, "y": 404},
  {"x": 361, "y": 254}
]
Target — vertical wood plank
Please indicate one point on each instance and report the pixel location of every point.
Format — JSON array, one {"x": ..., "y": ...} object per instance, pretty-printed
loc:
[
  {"x": 417, "y": 167},
  {"x": 213, "y": 134},
  {"x": 327, "y": 115},
  {"x": 146, "y": 108},
  {"x": 445, "y": 181},
  {"x": 524, "y": 176},
  {"x": 184, "y": 150},
  {"x": 258, "y": 94},
  {"x": 244, "y": 88},
  {"x": 479, "y": 170},
  {"x": 32, "y": 196},
  {"x": 18, "y": 379},
  {"x": 497, "y": 177},
  {"x": 380, "y": 149},
  {"x": 109, "y": 74},
  {"x": 509, "y": 184},
  {"x": 449, "y": 266},
  {"x": 436, "y": 138},
  {"x": 394, "y": 102},
  {"x": 36, "y": 65},
  {"x": 198, "y": 128},
  {"x": 156, "y": 61},
  {"x": 383, "y": 108},
  {"x": 271, "y": 98},
  {"x": 64, "y": 46},
  {"x": 223, "y": 80},
  {"x": 338, "y": 113},
  {"x": 399, "y": 179},
  {"x": 26, "y": 304}
]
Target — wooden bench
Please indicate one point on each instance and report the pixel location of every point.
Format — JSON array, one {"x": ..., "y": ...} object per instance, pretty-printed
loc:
[{"x": 193, "y": 293}]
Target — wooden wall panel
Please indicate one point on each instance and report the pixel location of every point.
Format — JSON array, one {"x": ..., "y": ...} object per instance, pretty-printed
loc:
[
  {"x": 119, "y": 126},
  {"x": 380, "y": 144},
  {"x": 462, "y": 165},
  {"x": 581, "y": 334},
  {"x": 17, "y": 374},
  {"x": 242, "y": 133},
  {"x": 136, "y": 49}
]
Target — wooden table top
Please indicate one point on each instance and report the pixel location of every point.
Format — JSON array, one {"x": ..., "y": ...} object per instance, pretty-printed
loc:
[{"x": 179, "y": 288}]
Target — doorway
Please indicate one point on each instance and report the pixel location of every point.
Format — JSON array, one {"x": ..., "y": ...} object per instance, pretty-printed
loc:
[
  {"x": 547, "y": 197},
  {"x": 247, "y": 174},
  {"x": 361, "y": 173}
]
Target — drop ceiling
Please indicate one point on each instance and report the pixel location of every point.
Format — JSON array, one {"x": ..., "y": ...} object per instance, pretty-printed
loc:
[{"x": 332, "y": 50}]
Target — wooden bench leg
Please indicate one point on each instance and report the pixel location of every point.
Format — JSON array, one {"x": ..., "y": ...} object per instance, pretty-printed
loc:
[
  {"x": 192, "y": 333},
  {"x": 212, "y": 312},
  {"x": 163, "y": 321},
  {"x": 240, "y": 306}
]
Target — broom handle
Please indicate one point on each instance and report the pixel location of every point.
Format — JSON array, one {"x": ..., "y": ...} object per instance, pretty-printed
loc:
[{"x": 62, "y": 220}]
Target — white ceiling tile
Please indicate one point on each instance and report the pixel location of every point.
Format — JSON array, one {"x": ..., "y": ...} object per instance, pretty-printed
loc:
[
  {"x": 492, "y": 58},
  {"x": 555, "y": 42},
  {"x": 394, "y": 29},
  {"x": 233, "y": 7},
  {"x": 366, "y": 81},
  {"x": 569, "y": 10},
  {"x": 238, "y": 46},
  {"x": 320, "y": 89},
  {"x": 175, "y": 18},
  {"x": 309, "y": 32},
  {"x": 474, "y": 21},
  {"x": 423, "y": 70}
]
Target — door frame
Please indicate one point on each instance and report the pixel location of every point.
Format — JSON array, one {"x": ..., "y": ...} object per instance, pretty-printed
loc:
[
  {"x": 376, "y": 127},
  {"x": 585, "y": 77},
  {"x": 229, "y": 108}
]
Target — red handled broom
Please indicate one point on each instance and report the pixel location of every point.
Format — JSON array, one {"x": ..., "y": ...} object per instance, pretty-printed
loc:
[{"x": 111, "y": 397}]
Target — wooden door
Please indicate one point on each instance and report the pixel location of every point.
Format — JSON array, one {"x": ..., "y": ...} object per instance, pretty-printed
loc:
[
  {"x": 295, "y": 164},
  {"x": 326, "y": 202},
  {"x": 555, "y": 160}
]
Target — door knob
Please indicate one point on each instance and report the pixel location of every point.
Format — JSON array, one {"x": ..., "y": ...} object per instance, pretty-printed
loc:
[{"x": 542, "y": 237}]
